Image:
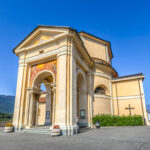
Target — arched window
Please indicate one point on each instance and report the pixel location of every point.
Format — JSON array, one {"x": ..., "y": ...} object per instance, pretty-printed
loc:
[{"x": 100, "y": 90}]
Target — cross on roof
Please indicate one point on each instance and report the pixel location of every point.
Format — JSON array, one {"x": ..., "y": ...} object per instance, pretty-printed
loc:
[{"x": 129, "y": 108}]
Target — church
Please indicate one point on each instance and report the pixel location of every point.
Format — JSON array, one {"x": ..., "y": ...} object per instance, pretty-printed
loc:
[{"x": 66, "y": 77}]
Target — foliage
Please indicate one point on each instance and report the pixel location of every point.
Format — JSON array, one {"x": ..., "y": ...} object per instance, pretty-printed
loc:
[
  {"x": 112, "y": 120},
  {"x": 5, "y": 117}
]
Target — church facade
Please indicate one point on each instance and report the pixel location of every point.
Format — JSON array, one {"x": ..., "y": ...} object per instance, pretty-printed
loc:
[{"x": 78, "y": 78}]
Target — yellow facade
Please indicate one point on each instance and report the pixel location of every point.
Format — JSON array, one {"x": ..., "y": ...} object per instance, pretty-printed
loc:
[
  {"x": 95, "y": 49},
  {"x": 80, "y": 82},
  {"x": 125, "y": 92},
  {"x": 101, "y": 106}
]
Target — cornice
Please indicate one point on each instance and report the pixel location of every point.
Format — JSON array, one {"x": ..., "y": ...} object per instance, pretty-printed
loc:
[
  {"x": 60, "y": 51},
  {"x": 106, "y": 67},
  {"x": 101, "y": 96},
  {"x": 127, "y": 78},
  {"x": 58, "y": 37},
  {"x": 127, "y": 97},
  {"x": 37, "y": 30},
  {"x": 102, "y": 75}
]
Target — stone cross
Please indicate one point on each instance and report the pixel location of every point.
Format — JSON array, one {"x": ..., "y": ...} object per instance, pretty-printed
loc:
[{"x": 129, "y": 108}]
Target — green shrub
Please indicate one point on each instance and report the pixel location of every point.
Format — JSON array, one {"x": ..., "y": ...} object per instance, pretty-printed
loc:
[
  {"x": 112, "y": 120},
  {"x": 5, "y": 117}
]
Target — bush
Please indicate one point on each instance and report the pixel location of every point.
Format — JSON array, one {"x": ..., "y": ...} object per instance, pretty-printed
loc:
[
  {"x": 5, "y": 117},
  {"x": 112, "y": 120}
]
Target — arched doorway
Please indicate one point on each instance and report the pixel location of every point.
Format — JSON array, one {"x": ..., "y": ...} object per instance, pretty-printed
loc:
[
  {"x": 81, "y": 107},
  {"x": 42, "y": 100}
]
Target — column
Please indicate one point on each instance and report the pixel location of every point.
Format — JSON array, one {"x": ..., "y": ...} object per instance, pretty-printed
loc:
[
  {"x": 60, "y": 116},
  {"x": 54, "y": 103},
  {"x": 30, "y": 120},
  {"x": 111, "y": 97},
  {"x": 18, "y": 96},
  {"x": 27, "y": 107},
  {"x": 90, "y": 98},
  {"x": 73, "y": 92},
  {"x": 23, "y": 92},
  {"x": 37, "y": 109}
]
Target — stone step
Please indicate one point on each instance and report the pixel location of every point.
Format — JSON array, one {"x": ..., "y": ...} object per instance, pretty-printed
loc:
[
  {"x": 37, "y": 130},
  {"x": 46, "y": 130},
  {"x": 84, "y": 129},
  {"x": 31, "y": 132}
]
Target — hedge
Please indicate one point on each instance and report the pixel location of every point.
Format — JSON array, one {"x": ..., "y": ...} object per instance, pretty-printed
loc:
[
  {"x": 112, "y": 120},
  {"x": 5, "y": 117}
]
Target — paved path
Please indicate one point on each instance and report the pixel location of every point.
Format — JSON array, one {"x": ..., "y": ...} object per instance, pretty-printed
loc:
[{"x": 120, "y": 138}]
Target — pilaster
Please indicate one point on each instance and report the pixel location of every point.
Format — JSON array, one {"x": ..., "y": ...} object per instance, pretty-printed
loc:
[
  {"x": 111, "y": 97},
  {"x": 54, "y": 103},
  {"x": 90, "y": 99},
  {"x": 17, "y": 107},
  {"x": 143, "y": 102},
  {"x": 60, "y": 116},
  {"x": 23, "y": 96},
  {"x": 31, "y": 110},
  {"x": 73, "y": 87}
]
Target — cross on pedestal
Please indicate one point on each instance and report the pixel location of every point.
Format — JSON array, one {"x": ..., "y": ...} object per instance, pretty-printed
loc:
[{"x": 129, "y": 108}]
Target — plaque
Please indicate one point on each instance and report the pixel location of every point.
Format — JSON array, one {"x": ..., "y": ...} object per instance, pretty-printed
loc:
[
  {"x": 47, "y": 114},
  {"x": 82, "y": 114}
]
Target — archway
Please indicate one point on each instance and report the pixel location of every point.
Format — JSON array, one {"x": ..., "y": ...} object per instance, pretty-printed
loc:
[
  {"x": 42, "y": 105},
  {"x": 81, "y": 107}
]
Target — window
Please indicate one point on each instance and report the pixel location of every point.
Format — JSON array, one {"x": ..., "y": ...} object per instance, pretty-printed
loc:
[{"x": 99, "y": 90}]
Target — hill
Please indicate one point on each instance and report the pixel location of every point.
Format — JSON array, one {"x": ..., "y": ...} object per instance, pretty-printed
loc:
[{"x": 7, "y": 104}]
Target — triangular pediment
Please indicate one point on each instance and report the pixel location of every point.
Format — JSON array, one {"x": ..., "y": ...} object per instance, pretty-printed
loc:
[{"x": 39, "y": 36}]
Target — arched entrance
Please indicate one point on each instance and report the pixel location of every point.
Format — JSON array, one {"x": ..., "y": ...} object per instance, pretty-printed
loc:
[
  {"x": 42, "y": 102},
  {"x": 81, "y": 107}
]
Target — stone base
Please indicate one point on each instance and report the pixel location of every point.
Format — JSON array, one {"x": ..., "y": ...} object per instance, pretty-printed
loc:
[
  {"x": 18, "y": 128},
  {"x": 66, "y": 130},
  {"x": 69, "y": 130},
  {"x": 83, "y": 124}
]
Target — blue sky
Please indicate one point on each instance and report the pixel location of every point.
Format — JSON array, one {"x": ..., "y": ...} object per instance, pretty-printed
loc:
[{"x": 125, "y": 23}]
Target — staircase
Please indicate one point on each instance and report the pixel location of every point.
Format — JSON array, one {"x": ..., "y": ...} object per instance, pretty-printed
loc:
[
  {"x": 46, "y": 130},
  {"x": 38, "y": 130}
]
